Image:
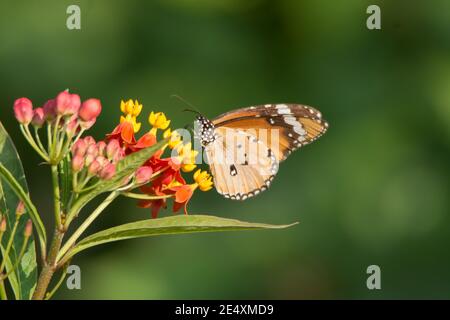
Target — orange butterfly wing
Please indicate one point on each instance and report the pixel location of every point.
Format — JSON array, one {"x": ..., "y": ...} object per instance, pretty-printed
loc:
[
  {"x": 282, "y": 127},
  {"x": 250, "y": 142}
]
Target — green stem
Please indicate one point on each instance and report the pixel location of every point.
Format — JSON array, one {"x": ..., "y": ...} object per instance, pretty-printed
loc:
[
  {"x": 3, "y": 295},
  {"x": 89, "y": 188},
  {"x": 144, "y": 196},
  {"x": 49, "y": 137},
  {"x": 85, "y": 182},
  {"x": 10, "y": 242},
  {"x": 22, "y": 252},
  {"x": 56, "y": 196},
  {"x": 39, "y": 142},
  {"x": 20, "y": 192},
  {"x": 79, "y": 135},
  {"x": 86, "y": 224},
  {"x": 65, "y": 149},
  {"x": 25, "y": 132},
  {"x": 59, "y": 283},
  {"x": 55, "y": 140}
]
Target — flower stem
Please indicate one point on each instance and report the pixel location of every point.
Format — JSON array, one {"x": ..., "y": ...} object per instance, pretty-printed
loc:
[
  {"x": 50, "y": 294},
  {"x": 19, "y": 259},
  {"x": 55, "y": 138},
  {"x": 27, "y": 135},
  {"x": 49, "y": 268},
  {"x": 9, "y": 244},
  {"x": 56, "y": 196},
  {"x": 86, "y": 224},
  {"x": 3, "y": 295},
  {"x": 144, "y": 196},
  {"x": 49, "y": 138},
  {"x": 38, "y": 140}
]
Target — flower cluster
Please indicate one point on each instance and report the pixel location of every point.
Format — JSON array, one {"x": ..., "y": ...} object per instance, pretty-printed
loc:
[
  {"x": 91, "y": 159},
  {"x": 158, "y": 179},
  {"x": 163, "y": 174},
  {"x": 66, "y": 119}
]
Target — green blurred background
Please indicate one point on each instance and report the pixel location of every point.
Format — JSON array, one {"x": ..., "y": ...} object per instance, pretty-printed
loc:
[{"x": 373, "y": 190}]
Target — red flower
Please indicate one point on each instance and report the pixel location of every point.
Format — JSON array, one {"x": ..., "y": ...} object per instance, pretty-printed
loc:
[
  {"x": 124, "y": 133},
  {"x": 147, "y": 140},
  {"x": 182, "y": 196}
]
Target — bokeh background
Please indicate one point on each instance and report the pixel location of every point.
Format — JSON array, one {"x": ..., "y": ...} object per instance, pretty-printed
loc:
[{"x": 373, "y": 190}]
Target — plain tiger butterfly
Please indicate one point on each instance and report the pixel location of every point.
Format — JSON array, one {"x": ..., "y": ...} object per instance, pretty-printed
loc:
[{"x": 244, "y": 147}]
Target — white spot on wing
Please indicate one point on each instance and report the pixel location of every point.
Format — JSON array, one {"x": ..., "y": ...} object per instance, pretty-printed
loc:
[{"x": 283, "y": 109}]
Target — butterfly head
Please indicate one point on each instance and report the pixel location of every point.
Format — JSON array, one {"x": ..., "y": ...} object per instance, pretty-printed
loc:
[{"x": 205, "y": 130}]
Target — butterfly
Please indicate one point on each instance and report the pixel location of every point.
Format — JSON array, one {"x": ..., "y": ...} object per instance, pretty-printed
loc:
[{"x": 244, "y": 147}]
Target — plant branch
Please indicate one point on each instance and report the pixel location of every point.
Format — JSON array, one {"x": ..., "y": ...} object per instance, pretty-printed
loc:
[
  {"x": 72, "y": 240},
  {"x": 144, "y": 196},
  {"x": 49, "y": 268},
  {"x": 50, "y": 294},
  {"x": 3, "y": 295},
  {"x": 56, "y": 196}
]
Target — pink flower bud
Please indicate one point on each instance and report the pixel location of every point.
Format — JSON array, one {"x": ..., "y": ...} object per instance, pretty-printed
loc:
[
  {"x": 94, "y": 168},
  {"x": 101, "y": 146},
  {"x": 23, "y": 110},
  {"x": 108, "y": 172},
  {"x": 89, "y": 159},
  {"x": 90, "y": 110},
  {"x": 28, "y": 229},
  {"x": 89, "y": 140},
  {"x": 67, "y": 104},
  {"x": 50, "y": 110},
  {"x": 112, "y": 149},
  {"x": 38, "y": 118},
  {"x": 72, "y": 126},
  {"x": 86, "y": 125},
  {"x": 3, "y": 224},
  {"x": 20, "y": 210},
  {"x": 143, "y": 175},
  {"x": 79, "y": 148},
  {"x": 119, "y": 156},
  {"x": 92, "y": 150},
  {"x": 102, "y": 161},
  {"x": 77, "y": 163}
]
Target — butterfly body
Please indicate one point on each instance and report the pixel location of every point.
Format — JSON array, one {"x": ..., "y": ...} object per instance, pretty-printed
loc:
[{"x": 244, "y": 147}]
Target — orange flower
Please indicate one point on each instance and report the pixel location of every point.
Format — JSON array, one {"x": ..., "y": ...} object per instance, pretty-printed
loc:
[{"x": 166, "y": 180}]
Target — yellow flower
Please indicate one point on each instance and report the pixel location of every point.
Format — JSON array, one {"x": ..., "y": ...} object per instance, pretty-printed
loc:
[
  {"x": 203, "y": 179},
  {"x": 187, "y": 157},
  {"x": 188, "y": 167},
  {"x": 175, "y": 138},
  {"x": 131, "y": 108},
  {"x": 158, "y": 121},
  {"x": 173, "y": 183}
]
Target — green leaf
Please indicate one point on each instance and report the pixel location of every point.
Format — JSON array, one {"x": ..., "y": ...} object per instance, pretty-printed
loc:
[
  {"x": 23, "y": 279},
  {"x": 125, "y": 168},
  {"x": 168, "y": 225}
]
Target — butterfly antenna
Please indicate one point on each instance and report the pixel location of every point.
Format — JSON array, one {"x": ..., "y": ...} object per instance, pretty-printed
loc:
[{"x": 192, "y": 107}]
